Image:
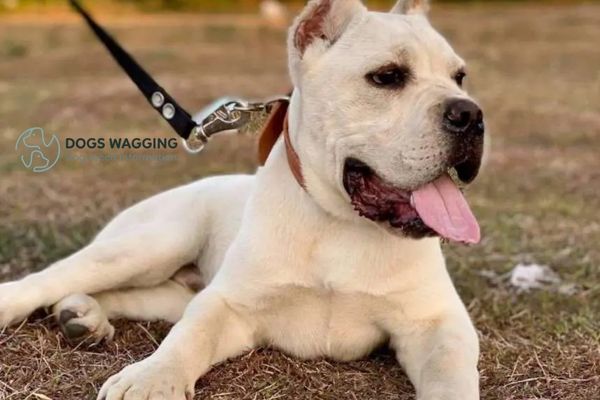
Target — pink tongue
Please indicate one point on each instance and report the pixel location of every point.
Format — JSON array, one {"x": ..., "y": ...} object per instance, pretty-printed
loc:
[{"x": 444, "y": 209}]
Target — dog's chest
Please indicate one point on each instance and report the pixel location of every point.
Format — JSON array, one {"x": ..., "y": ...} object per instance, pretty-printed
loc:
[
  {"x": 318, "y": 322},
  {"x": 331, "y": 296},
  {"x": 351, "y": 261}
]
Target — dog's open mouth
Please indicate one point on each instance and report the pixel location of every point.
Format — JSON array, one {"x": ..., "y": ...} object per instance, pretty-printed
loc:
[{"x": 437, "y": 208}]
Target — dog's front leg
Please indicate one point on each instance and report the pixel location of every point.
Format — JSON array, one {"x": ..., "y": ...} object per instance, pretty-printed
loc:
[
  {"x": 210, "y": 331},
  {"x": 440, "y": 357}
]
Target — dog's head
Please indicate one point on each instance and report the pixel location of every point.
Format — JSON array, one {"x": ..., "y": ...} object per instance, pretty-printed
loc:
[{"x": 386, "y": 128}]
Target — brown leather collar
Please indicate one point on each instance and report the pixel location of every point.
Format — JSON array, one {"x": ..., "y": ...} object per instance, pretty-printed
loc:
[{"x": 276, "y": 125}]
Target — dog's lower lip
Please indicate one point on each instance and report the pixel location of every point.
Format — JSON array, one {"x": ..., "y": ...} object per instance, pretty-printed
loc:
[{"x": 381, "y": 202}]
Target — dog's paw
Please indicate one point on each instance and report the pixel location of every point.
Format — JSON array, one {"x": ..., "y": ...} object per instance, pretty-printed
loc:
[
  {"x": 148, "y": 379},
  {"x": 16, "y": 303},
  {"x": 80, "y": 317},
  {"x": 448, "y": 394}
]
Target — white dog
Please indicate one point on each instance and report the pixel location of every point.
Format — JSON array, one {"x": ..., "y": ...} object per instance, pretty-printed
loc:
[{"x": 330, "y": 250}]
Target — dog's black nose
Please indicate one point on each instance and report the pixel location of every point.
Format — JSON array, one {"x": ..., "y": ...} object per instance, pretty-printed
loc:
[{"x": 464, "y": 117}]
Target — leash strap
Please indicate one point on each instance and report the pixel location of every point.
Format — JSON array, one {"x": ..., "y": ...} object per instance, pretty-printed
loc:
[
  {"x": 228, "y": 115},
  {"x": 179, "y": 119}
]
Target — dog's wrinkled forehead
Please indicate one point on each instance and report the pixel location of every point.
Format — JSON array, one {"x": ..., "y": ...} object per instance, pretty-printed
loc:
[
  {"x": 403, "y": 39},
  {"x": 343, "y": 29}
]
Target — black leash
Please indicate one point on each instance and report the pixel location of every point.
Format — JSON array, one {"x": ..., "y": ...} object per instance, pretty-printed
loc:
[
  {"x": 228, "y": 115},
  {"x": 165, "y": 104}
]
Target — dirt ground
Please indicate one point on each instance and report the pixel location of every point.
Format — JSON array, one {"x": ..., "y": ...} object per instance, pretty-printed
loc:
[{"x": 536, "y": 71}]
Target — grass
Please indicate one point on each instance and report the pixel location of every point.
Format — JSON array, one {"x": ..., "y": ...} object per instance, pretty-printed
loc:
[{"x": 535, "y": 70}]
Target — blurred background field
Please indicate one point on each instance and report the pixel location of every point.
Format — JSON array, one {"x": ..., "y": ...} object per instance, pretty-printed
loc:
[
  {"x": 535, "y": 67},
  {"x": 212, "y": 5}
]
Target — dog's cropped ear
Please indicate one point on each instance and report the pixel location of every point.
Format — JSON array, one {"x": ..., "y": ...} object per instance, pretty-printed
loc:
[
  {"x": 320, "y": 24},
  {"x": 411, "y": 7},
  {"x": 324, "y": 20}
]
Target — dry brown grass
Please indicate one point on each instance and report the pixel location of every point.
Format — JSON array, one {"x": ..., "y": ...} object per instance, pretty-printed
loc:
[{"x": 534, "y": 68}]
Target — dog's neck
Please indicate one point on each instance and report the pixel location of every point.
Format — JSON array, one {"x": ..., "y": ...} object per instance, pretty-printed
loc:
[
  {"x": 278, "y": 124},
  {"x": 283, "y": 121}
]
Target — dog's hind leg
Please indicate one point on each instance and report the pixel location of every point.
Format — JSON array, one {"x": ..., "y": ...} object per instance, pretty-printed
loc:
[
  {"x": 142, "y": 247},
  {"x": 144, "y": 256},
  {"x": 82, "y": 316}
]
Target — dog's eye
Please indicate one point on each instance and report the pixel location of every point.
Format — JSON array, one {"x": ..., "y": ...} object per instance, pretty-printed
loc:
[
  {"x": 389, "y": 77},
  {"x": 460, "y": 78}
]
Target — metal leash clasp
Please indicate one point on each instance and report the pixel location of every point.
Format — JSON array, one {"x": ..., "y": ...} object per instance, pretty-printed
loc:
[{"x": 224, "y": 115}]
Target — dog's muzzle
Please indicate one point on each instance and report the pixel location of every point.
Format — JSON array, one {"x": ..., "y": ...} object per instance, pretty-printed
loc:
[{"x": 436, "y": 207}]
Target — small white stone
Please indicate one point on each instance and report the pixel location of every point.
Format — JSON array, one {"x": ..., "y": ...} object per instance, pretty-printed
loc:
[{"x": 533, "y": 276}]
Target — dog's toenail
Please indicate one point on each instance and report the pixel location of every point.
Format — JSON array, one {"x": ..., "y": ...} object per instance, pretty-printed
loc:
[
  {"x": 74, "y": 331},
  {"x": 66, "y": 315}
]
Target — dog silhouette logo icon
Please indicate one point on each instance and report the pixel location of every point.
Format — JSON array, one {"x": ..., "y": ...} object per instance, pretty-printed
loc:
[{"x": 38, "y": 152}]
